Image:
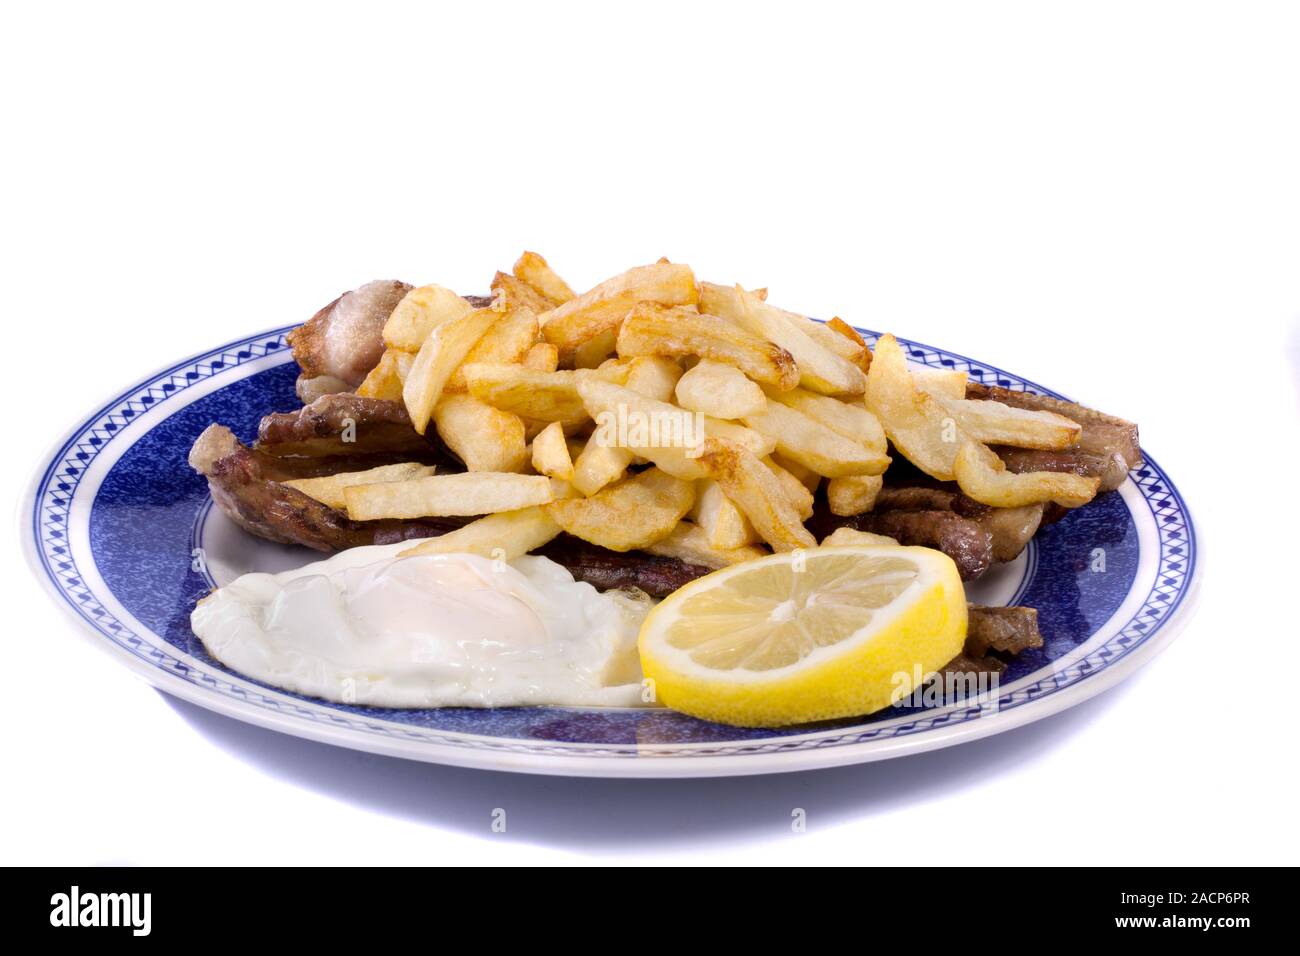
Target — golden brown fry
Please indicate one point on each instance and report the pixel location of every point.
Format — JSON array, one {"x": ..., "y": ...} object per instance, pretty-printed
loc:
[
  {"x": 626, "y": 419},
  {"x": 981, "y": 475},
  {"x": 385, "y": 379},
  {"x": 688, "y": 542},
  {"x": 725, "y": 526},
  {"x": 419, "y": 312},
  {"x": 603, "y": 308},
  {"x": 504, "y": 536},
  {"x": 722, "y": 391},
  {"x": 854, "y": 495},
  {"x": 795, "y": 491},
  {"x": 807, "y": 477},
  {"x": 849, "y": 418},
  {"x": 469, "y": 493},
  {"x": 535, "y": 271},
  {"x": 758, "y": 492},
  {"x": 440, "y": 355},
  {"x": 506, "y": 342},
  {"x": 594, "y": 351},
  {"x": 999, "y": 424},
  {"x": 942, "y": 383},
  {"x": 809, "y": 442},
  {"x": 540, "y": 396},
  {"x": 916, "y": 422},
  {"x": 652, "y": 330},
  {"x": 483, "y": 437},
  {"x": 542, "y": 357},
  {"x": 551, "y": 453},
  {"x": 513, "y": 293},
  {"x": 328, "y": 490},
  {"x": 632, "y": 513},
  {"x": 814, "y": 347},
  {"x": 851, "y": 536},
  {"x": 861, "y": 356}
]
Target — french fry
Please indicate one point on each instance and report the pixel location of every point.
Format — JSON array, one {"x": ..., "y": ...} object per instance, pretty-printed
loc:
[
  {"x": 535, "y": 271},
  {"x": 722, "y": 391},
  {"x": 853, "y": 495},
  {"x": 328, "y": 490},
  {"x": 862, "y": 353},
  {"x": 849, "y": 418},
  {"x": 551, "y": 453},
  {"x": 603, "y": 308},
  {"x": 755, "y": 441},
  {"x": 469, "y": 493},
  {"x": 541, "y": 396},
  {"x": 594, "y": 351},
  {"x": 439, "y": 356},
  {"x": 483, "y": 437},
  {"x": 654, "y": 330},
  {"x": 758, "y": 492},
  {"x": 599, "y": 464},
  {"x": 506, "y": 342},
  {"x": 821, "y": 368},
  {"x": 997, "y": 424},
  {"x": 916, "y": 422},
  {"x": 653, "y": 376},
  {"x": 385, "y": 379},
  {"x": 942, "y": 383},
  {"x": 724, "y": 525},
  {"x": 795, "y": 491},
  {"x": 660, "y": 432},
  {"x": 688, "y": 542},
  {"x": 419, "y": 312},
  {"x": 851, "y": 536},
  {"x": 514, "y": 293},
  {"x": 726, "y": 301},
  {"x": 504, "y": 536},
  {"x": 541, "y": 357},
  {"x": 631, "y": 513},
  {"x": 807, "y": 477},
  {"x": 983, "y": 476},
  {"x": 809, "y": 442}
]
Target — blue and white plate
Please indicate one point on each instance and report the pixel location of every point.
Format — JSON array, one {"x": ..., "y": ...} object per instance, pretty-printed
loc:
[{"x": 115, "y": 515}]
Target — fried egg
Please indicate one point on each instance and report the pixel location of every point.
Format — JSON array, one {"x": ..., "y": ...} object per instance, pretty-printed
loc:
[{"x": 450, "y": 630}]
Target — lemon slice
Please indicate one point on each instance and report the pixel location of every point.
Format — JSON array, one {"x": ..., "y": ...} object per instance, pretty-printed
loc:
[{"x": 804, "y": 635}]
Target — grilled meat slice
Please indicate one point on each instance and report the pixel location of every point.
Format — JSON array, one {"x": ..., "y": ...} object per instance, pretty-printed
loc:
[
  {"x": 962, "y": 539},
  {"x": 342, "y": 342},
  {"x": 346, "y": 424},
  {"x": 993, "y": 631},
  {"x": 1006, "y": 630},
  {"x": 1111, "y": 469},
  {"x": 1107, "y": 447},
  {"x": 345, "y": 339},
  {"x": 604, "y": 569},
  {"x": 245, "y": 485},
  {"x": 964, "y": 664},
  {"x": 1009, "y": 529}
]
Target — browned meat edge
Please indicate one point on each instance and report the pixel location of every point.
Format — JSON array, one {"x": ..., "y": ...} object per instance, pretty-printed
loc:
[
  {"x": 346, "y": 424},
  {"x": 245, "y": 485},
  {"x": 1107, "y": 447}
]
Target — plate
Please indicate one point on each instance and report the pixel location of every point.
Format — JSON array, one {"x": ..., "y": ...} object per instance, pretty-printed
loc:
[{"x": 115, "y": 524}]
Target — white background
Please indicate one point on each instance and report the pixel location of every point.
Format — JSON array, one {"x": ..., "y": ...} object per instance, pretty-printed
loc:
[{"x": 1103, "y": 197}]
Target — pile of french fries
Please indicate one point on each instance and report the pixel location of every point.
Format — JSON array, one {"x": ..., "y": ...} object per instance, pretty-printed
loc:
[{"x": 771, "y": 404}]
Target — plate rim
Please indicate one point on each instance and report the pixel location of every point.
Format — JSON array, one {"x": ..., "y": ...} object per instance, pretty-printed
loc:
[{"x": 645, "y": 763}]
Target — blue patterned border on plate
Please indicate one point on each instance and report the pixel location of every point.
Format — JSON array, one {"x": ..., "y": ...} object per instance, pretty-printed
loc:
[{"x": 57, "y": 488}]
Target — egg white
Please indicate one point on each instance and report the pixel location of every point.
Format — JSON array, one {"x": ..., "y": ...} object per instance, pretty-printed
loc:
[{"x": 368, "y": 627}]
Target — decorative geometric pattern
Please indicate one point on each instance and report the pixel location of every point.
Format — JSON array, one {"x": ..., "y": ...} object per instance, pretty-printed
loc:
[{"x": 57, "y": 490}]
